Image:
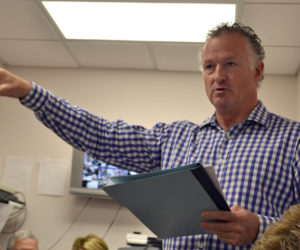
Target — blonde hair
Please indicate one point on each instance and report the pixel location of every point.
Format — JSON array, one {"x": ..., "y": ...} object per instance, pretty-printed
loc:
[
  {"x": 284, "y": 234},
  {"x": 90, "y": 242}
]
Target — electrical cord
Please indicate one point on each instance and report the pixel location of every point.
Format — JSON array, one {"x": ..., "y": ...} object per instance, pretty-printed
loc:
[
  {"x": 112, "y": 222},
  {"x": 71, "y": 225},
  {"x": 16, "y": 214},
  {"x": 75, "y": 220}
]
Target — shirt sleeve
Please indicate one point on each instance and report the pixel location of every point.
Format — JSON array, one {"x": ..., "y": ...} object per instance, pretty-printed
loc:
[
  {"x": 117, "y": 143},
  {"x": 296, "y": 175},
  {"x": 264, "y": 222}
]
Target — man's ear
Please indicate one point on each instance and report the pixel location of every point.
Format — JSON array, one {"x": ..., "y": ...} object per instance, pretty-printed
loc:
[{"x": 259, "y": 70}]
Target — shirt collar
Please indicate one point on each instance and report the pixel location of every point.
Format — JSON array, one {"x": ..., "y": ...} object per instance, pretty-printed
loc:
[{"x": 258, "y": 115}]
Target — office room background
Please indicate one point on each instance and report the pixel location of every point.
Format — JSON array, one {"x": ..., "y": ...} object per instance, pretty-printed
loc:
[
  {"x": 140, "y": 94},
  {"x": 140, "y": 97}
]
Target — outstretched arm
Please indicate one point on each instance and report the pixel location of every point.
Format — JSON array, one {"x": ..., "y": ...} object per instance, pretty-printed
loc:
[
  {"x": 12, "y": 85},
  {"x": 86, "y": 131}
]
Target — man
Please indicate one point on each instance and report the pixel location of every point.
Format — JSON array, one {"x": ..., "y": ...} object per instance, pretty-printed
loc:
[
  {"x": 22, "y": 240},
  {"x": 255, "y": 153}
]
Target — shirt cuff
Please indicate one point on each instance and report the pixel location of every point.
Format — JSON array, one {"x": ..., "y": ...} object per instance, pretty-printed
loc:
[
  {"x": 36, "y": 98},
  {"x": 264, "y": 222}
]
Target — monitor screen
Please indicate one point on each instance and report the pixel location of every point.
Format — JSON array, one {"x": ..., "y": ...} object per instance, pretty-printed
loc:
[{"x": 89, "y": 176}]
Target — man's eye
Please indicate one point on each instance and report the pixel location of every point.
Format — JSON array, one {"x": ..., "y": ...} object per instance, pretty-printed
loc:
[
  {"x": 208, "y": 67},
  {"x": 230, "y": 64}
]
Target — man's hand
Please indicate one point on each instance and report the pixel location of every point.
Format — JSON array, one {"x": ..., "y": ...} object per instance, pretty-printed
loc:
[
  {"x": 238, "y": 227},
  {"x": 12, "y": 85}
]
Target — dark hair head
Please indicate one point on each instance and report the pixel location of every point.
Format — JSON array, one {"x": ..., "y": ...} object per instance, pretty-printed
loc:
[{"x": 246, "y": 31}]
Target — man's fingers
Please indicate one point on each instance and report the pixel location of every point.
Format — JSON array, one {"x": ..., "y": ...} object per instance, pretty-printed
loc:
[
  {"x": 216, "y": 227},
  {"x": 218, "y": 215},
  {"x": 238, "y": 227}
]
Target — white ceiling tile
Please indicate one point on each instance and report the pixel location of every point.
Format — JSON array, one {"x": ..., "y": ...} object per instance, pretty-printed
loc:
[
  {"x": 276, "y": 24},
  {"x": 177, "y": 56},
  {"x": 26, "y": 32},
  {"x": 111, "y": 54},
  {"x": 35, "y": 53},
  {"x": 280, "y": 60},
  {"x": 24, "y": 20}
]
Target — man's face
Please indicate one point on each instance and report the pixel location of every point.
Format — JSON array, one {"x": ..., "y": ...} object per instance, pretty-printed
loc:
[
  {"x": 230, "y": 73},
  {"x": 25, "y": 244}
]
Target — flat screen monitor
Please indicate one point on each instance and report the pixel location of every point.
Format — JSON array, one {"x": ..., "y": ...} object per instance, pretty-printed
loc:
[{"x": 89, "y": 176}]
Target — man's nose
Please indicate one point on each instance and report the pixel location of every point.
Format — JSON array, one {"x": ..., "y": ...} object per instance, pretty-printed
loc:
[{"x": 220, "y": 73}]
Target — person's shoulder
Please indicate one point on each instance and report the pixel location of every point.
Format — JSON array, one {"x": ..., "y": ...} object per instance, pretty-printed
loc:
[
  {"x": 176, "y": 125},
  {"x": 283, "y": 122},
  {"x": 282, "y": 118},
  {"x": 183, "y": 123}
]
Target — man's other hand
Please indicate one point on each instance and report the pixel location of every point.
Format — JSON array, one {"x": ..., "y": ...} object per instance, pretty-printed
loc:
[{"x": 238, "y": 227}]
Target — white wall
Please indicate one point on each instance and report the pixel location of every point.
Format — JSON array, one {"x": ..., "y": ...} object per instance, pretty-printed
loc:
[
  {"x": 298, "y": 96},
  {"x": 140, "y": 97},
  {"x": 279, "y": 94}
]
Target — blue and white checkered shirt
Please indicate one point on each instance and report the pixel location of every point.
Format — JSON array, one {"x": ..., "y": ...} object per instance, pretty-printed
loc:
[{"x": 256, "y": 161}]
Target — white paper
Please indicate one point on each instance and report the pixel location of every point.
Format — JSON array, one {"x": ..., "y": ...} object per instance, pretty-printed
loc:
[
  {"x": 212, "y": 174},
  {"x": 5, "y": 211},
  {"x": 17, "y": 173},
  {"x": 52, "y": 176}
]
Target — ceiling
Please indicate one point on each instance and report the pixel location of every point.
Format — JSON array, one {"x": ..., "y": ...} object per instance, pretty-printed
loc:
[{"x": 30, "y": 38}]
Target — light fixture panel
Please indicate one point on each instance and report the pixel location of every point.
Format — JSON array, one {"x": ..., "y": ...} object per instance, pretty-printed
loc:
[{"x": 135, "y": 21}]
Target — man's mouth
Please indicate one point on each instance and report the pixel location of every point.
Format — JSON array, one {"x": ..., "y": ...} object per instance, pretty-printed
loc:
[{"x": 220, "y": 89}]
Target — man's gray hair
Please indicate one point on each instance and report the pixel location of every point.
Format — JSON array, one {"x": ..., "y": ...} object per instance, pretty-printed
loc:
[
  {"x": 246, "y": 31},
  {"x": 20, "y": 235}
]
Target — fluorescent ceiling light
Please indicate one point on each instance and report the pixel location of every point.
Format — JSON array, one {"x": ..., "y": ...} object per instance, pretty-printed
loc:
[{"x": 135, "y": 21}]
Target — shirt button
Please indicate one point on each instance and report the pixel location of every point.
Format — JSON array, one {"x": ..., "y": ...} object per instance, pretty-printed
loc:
[
  {"x": 200, "y": 245},
  {"x": 220, "y": 161},
  {"x": 227, "y": 136}
]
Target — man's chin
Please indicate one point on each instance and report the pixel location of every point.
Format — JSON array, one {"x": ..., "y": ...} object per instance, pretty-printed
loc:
[{"x": 220, "y": 102}]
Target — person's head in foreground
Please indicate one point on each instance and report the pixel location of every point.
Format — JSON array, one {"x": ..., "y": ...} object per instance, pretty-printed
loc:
[
  {"x": 284, "y": 234},
  {"x": 90, "y": 242},
  {"x": 22, "y": 240}
]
